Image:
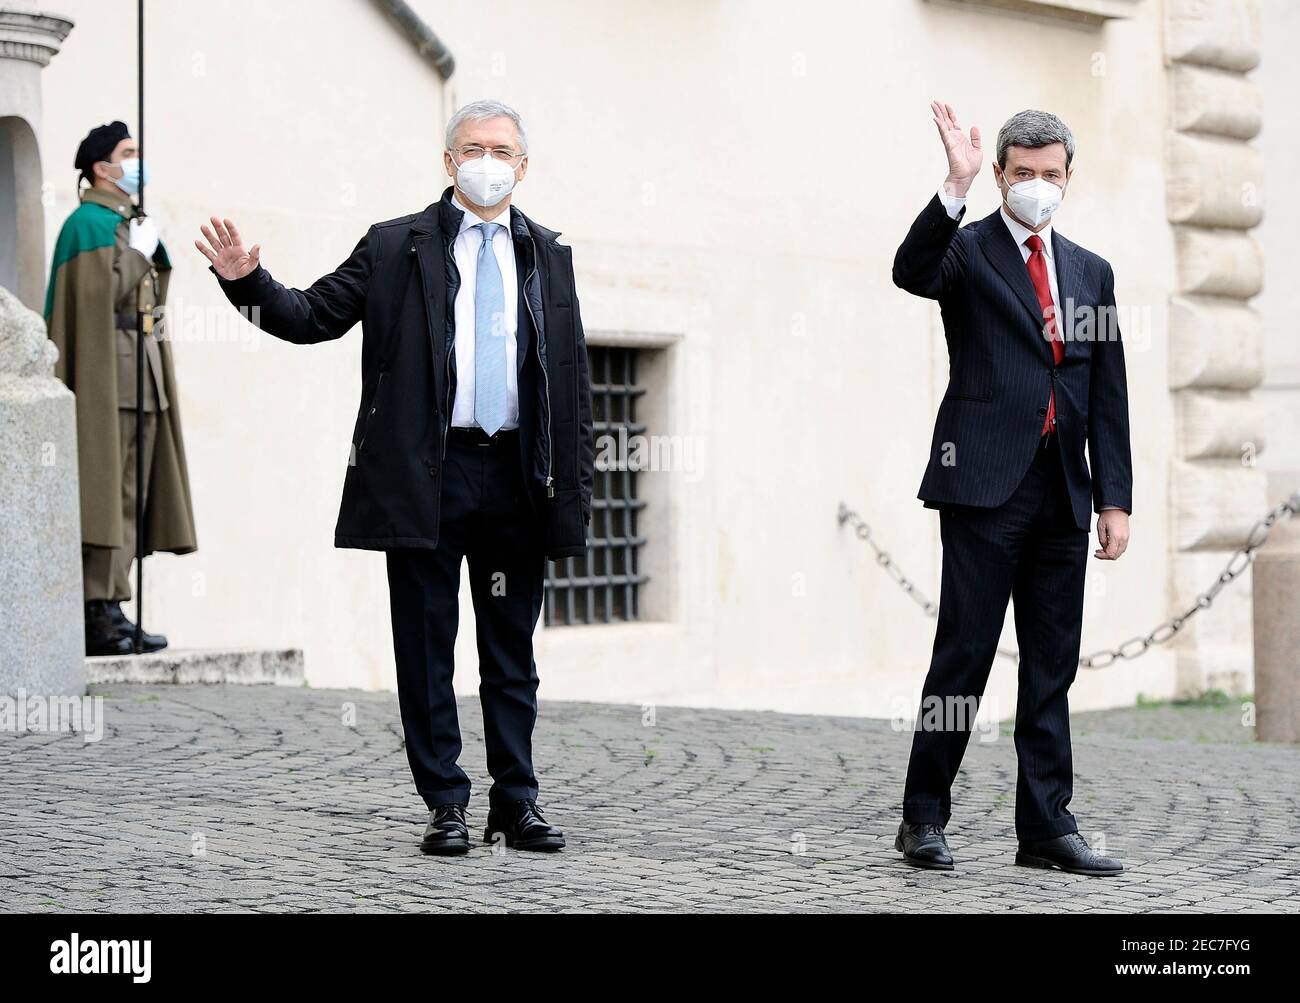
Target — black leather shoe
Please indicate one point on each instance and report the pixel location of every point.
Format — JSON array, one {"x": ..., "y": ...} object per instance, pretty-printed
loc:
[
  {"x": 523, "y": 827},
  {"x": 1071, "y": 853},
  {"x": 446, "y": 832},
  {"x": 923, "y": 845},
  {"x": 103, "y": 636},
  {"x": 150, "y": 642}
]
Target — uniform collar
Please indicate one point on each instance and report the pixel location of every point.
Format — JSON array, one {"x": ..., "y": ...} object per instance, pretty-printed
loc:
[{"x": 119, "y": 202}]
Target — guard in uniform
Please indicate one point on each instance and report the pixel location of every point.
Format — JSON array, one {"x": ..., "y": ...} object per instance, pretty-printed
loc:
[{"x": 109, "y": 269}]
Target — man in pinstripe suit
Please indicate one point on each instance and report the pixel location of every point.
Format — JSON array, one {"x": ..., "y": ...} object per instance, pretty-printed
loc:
[{"x": 1036, "y": 373}]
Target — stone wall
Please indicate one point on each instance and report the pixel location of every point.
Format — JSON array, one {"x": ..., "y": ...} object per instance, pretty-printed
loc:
[{"x": 1214, "y": 189}]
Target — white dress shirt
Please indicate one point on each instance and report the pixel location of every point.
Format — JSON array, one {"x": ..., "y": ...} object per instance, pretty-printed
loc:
[
  {"x": 1019, "y": 233},
  {"x": 465, "y": 251}
]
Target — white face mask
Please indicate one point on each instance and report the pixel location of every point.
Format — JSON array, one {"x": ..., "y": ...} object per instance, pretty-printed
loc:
[
  {"x": 1034, "y": 201},
  {"x": 485, "y": 181}
]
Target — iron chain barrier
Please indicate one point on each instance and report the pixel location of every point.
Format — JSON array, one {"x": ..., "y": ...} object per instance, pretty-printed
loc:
[{"x": 1134, "y": 646}]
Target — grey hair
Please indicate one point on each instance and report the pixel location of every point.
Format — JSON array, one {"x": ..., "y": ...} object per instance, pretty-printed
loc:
[
  {"x": 1034, "y": 130},
  {"x": 481, "y": 111}
]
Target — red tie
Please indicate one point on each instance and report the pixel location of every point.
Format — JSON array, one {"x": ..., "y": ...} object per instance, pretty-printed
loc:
[{"x": 1038, "y": 275}]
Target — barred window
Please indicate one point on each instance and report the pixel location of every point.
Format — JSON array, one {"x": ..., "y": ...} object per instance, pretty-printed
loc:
[{"x": 602, "y": 586}]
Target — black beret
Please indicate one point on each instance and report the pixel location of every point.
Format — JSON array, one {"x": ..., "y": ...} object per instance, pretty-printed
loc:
[{"x": 99, "y": 145}]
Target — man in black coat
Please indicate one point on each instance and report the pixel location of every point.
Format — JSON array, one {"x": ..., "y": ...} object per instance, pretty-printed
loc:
[
  {"x": 1036, "y": 373},
  {"x": 473, "y": 441}
]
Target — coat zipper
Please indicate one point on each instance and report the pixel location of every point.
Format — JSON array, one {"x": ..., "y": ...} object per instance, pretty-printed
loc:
[
  {"x": 451, "y": 345},
  {"x": 546, "y": 382}
]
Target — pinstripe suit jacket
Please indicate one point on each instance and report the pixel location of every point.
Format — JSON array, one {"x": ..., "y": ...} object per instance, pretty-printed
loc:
[{"x": 1001, "y": 371}]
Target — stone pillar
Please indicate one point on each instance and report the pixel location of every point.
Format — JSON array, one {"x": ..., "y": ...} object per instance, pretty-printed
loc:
[
  {"x": 42, "y": 643},
  {"x": 1214, "y": 189},
  {"x": 1277, "y": 635}
]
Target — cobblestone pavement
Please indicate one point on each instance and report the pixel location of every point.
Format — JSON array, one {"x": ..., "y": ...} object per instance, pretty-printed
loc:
[
  {"x": 1190, "y": 722},
  {"x": 260, "y": 798}
]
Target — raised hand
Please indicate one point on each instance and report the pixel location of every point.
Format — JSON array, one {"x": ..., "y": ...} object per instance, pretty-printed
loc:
[
  {"x": 965, "y": 154},
  {"x": 225, "y": 250}
]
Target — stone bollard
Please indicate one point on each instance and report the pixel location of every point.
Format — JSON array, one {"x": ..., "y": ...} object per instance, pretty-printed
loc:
[
  {"x": 42, "y": 645},
  {"x": 1276, "y": 584}
]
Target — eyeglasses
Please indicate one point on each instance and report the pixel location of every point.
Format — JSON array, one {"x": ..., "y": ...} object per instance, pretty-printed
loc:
[{"x": 502, "y": 153}]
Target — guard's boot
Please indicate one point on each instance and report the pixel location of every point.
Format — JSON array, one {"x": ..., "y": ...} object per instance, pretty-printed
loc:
[
  {"x": 103, "y": 635},
  {"x": 150, "y": 642}
]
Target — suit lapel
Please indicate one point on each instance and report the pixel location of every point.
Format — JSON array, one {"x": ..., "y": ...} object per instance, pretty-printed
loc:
[{"x": 1004, "y": 256}]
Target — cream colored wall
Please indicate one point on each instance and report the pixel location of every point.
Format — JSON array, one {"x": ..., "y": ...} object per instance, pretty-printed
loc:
[
  {"x": 1280, "y": 302},
  {"x": 822, "y": 378},
  {"x": 734, "y": 177}
]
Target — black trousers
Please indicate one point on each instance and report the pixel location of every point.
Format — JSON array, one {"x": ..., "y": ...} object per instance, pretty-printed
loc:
[
  {"x": 1030, "y": 551},
  {"x": 488, "y": 521}
]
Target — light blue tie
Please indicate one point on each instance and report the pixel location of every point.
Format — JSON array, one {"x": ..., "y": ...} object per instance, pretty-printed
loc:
[{"x": 489, "y": 338}]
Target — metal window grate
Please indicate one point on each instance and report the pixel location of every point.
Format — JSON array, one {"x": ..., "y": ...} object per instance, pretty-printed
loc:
[{"x": 602, "y": 586}]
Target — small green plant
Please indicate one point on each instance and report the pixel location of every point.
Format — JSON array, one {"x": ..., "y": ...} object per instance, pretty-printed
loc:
[{"x": 1210, "y": 698}]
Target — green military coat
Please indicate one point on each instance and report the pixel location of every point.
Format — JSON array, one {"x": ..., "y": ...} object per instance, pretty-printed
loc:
[{"x": 87, "y": 274}]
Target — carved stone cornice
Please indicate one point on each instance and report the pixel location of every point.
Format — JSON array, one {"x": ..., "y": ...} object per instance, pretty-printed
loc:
[
  {"x": 31, "y": 36},
  {"x": 1080, "y": 12}
]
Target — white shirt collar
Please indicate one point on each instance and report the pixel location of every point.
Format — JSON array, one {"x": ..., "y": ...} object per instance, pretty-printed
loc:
[
  {"x": 1021, "y": 233},
  {"x": 469, "y": 220}
]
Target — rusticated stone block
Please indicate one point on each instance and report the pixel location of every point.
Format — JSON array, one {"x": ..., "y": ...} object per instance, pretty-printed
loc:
[
  {"x": 1214, "y": 647},
  {"x": 1218, "y": 262},
  {"x": 1221, "y": 33},
  {"x": 1219, "y": 424},
  {"x": 1212, "y": 181},
  {"x": 1216, "y": 102},
  {"x": 1214, "y": 342},
  {"x": 1202, "y": 665},
  {"x": 1214, "y": 503}
]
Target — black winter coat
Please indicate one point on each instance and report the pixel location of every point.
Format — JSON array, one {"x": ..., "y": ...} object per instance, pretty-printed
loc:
[{"x": 400, "y": 282}]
